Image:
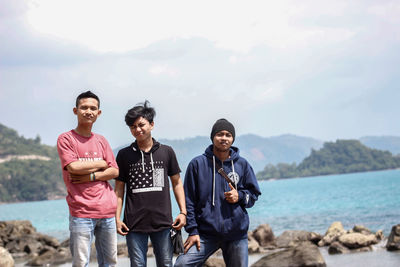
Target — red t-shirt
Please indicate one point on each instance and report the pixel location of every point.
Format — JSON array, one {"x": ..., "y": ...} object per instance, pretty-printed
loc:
[{"x": 92, "y": 199}]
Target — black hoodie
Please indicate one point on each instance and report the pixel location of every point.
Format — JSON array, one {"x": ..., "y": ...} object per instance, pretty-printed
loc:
[{"x": 145, "y": 174}]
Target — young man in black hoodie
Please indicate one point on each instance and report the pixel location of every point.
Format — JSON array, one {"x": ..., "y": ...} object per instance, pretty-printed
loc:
[
  {"x": 216, "y": 209},
  {"x": 144, "y": 169}
]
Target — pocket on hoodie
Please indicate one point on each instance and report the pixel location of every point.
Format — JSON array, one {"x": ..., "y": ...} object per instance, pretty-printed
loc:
[
  {"x": 238, "y": 222},
  {"x": 205, "y": 214}
]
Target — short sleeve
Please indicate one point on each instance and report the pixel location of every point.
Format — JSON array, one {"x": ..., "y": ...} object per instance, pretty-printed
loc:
[
  {"x": 66, "y": 150},
  {"x": 108, "y": 154},
  {"x": 120, "y": 162},
  {"x": 173, "y": 165}
]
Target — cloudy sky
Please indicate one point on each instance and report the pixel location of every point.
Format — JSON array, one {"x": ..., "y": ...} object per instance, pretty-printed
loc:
[{"x": 323, "y": 69}]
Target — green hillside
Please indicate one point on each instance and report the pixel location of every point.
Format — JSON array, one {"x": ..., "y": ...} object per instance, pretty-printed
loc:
[
  {"x": 342, "y": 156},
  {"x": 29, "y": 170}
]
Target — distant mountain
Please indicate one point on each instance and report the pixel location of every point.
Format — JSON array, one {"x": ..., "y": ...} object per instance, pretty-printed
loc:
[
  {"x": 342, "y": 156},
  {"x": 389, "y": 143},
  {"x": 259, "y": 151},
  {"x": 28, "y": 170}
]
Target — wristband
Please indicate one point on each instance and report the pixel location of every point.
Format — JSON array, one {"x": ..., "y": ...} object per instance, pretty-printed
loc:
[
  {"x": 183, "y": 214},
  {"x": 92, "y": 177}
]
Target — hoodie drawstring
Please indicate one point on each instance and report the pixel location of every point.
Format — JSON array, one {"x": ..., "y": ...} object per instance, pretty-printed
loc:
[
  {"x": 213, "y": 198},
  {"x": 233, "y": 170},
  {"x": 151, "y": 160}
]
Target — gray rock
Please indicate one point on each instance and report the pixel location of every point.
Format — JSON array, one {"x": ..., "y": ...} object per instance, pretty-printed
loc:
[
  {"x": 379, "y": 235},
  {"x": 334, "y": 231},
  {"x": 361, "y": 229},
  {"x": 6, "y": 260},
  {"x": 393, "y": 242},
  {"x": 48, "y": 240},
  {"x": 304, "y": 254},
  {"x": 264, "y": 235},
  {"x": 50, "y": 255},
  {"x": 357, "y": 240},
  {"x": 10, "y": 230},
  {"x": 291, "y": 238},
  {"x": 214, "y": 262},
  {"x": 253, "y": 246},
  {"x": 122, "y": 249},
  {"x": 338, "y": 248}
]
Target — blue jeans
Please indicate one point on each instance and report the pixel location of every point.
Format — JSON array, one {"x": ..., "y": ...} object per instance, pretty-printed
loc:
[
  {"x": 82, "y": 233},
  {"x": 235, "y": 253},
  {"x": 162, "y": 246}
]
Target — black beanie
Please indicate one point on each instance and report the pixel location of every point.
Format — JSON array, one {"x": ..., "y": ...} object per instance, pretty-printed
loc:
[{"x": 221, "y": 125}]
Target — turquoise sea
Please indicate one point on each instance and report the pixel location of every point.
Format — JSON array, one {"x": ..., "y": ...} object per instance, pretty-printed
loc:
[{"x": 371, "y": 199}]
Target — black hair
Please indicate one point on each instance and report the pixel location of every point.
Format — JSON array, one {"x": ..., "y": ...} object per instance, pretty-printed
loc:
[
  {"x": 140, "y": 110},
  {"x": 87, "y": 94}
]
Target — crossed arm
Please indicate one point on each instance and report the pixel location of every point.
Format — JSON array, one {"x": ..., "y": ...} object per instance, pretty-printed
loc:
[{"x": 80, "y": 171}]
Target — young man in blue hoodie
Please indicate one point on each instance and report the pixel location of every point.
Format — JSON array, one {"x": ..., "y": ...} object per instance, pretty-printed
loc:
[{"x": 216, "y": 210}]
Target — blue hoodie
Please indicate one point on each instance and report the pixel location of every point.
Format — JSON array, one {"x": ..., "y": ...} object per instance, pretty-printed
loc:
[{"x": 208, "y": 213}]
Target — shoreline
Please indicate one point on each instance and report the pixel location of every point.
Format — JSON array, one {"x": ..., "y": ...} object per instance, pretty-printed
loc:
[
  {"x": 378, "y": 257},
  {"x": 353, "y": 251},
  {"x": 323, "y": 175}
]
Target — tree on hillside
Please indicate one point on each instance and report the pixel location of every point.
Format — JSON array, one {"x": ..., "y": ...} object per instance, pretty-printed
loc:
[{"x": 342, "y": 156}]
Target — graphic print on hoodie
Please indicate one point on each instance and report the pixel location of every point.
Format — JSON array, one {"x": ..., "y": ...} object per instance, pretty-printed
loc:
[{"x": 144, "y": 179}]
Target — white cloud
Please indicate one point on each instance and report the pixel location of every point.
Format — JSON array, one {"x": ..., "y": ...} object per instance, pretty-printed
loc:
[
  {"x": 274, "y": 66},
  {"x": 389, "y": 11},
  {"x": 164, "y": 69},
  {"x": 123, "y": 25}
]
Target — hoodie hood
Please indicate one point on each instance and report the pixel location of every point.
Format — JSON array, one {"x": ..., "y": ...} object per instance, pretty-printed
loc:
[{"x": 155, "y": 146}]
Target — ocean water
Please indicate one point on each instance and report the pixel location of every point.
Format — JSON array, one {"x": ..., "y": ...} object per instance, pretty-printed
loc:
[{"x": 371, "y": 199}]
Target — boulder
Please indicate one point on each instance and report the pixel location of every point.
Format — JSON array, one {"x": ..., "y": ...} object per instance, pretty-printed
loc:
[
  {"x": 290, "y": 238},
  {"x": 361, "y": 229},
  {"x": 28, "y": 244},
  {"x": 65, "y": 243},
  {"x": 379, "y": 235},
  {"x": 357, "y": 240},
  {"x": 214, "y": 262},
  {"x": 264, "y": 235},
  {"x": 46, "y": 257},
  {"x": 12, "y": 229},
  {"x": 304, "y": 254},
  {"x": 50, "y": 256},
  {"x": 334, "y": 231},
  {"x": 48, "y": 240},
  {"x": 393, "y": 242},
  {"x": 6, "y": 260},
  {"x": 337, "y": 248},
  {"x": 253, "y": 245},
  {"x": 122, "y": 249}
]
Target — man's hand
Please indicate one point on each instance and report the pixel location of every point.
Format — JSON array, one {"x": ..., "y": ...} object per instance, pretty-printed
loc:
[
  {"x": 86, "y": 167},
  {"x": 122, "y": 229},
  {"x": 190, "y": 241},
  {"x": 79, "y": 179},
  {"x": 179, "y": 222},
  {"x": 232, "y": 196}
]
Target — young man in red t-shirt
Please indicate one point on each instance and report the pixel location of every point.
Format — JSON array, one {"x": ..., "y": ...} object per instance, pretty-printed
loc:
[{"x": 88, "y": 163}]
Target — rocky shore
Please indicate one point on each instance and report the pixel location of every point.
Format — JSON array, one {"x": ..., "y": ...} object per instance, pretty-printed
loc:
[{"x": 19, "y": 242}]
